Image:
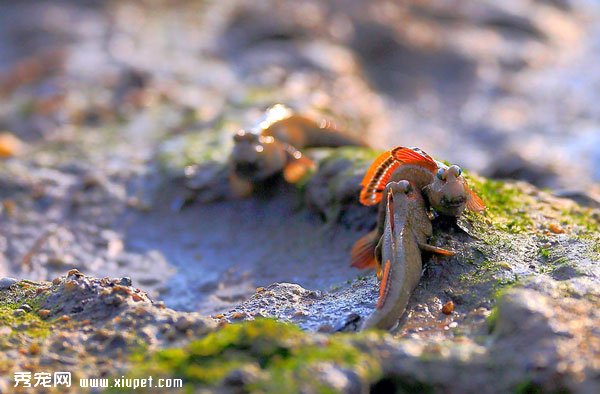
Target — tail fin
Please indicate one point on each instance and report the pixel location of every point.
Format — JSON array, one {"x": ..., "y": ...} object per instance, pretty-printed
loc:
[{"x": 363, "y": 251}]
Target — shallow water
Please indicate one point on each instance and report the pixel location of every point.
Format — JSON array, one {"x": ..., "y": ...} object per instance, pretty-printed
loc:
[{"x": 222, "y": 252}]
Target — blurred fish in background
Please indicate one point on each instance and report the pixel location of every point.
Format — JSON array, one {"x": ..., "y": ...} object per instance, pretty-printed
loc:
[{"x": 505, "y": 88}]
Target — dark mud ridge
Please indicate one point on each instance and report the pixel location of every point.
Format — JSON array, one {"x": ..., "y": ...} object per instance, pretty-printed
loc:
[{"x": 524, "y": 284}]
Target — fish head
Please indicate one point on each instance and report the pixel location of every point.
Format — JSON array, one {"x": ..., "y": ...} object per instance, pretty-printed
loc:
[
  {"x": 406, "y": 209},
  {"x": 448, "y": 193},
  {"x": 256, "y": 157}
]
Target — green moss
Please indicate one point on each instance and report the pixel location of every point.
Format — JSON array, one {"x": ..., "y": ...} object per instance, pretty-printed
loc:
[
  {"x": 483, "y": 272},
  {"x": 492, "y": 319},
  {"x": 285, "y": 355},
  {"x": 528, "y": 387},
  {"x": 27, "y": 326},
  {"x": 507, "y": 207},
  {"x": 544, "y": 252},
  {"x": 196, "y": 148}
]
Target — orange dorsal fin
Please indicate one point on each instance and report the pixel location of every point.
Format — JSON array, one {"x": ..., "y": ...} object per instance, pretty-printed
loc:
[
  {"x": 414, "y": 156},
  {"x": 377, "y": 177},
  {"x": 474, "y": 202},
  {"x": 374, "y": 166},
  {"x": 363, "y": 252},
  {"x": 384, "y": 286},
  {"x": 381, "y": 170}
]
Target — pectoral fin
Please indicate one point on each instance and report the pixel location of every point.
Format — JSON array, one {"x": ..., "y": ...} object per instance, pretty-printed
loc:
[
  {"x": 474, "y": 203},
  {"x": 298, "y": 168},
  {"x": 384, "y": 286},
  {"x": 363, "y": 252},
  {"x": 436, "y": 250}
]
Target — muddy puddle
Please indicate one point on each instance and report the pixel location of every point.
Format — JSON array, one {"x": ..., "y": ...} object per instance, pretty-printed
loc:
[{"x": 219, "y": 253}]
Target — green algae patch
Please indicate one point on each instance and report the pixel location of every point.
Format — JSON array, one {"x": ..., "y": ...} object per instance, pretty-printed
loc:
[
  {"x": 519, "y": 208},
  {"x": 282, "y": 358},
  {"x": 507, "y": 207},
  {"x": 23, "y": 327},
  {"x": 195, "y": 148},
  {"x": 20, "y": 325}
]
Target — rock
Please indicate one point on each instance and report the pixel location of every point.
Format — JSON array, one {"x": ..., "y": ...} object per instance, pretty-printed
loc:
[
  {"x": 5, "y": 283},
  {"x": 582, "y": 197}
]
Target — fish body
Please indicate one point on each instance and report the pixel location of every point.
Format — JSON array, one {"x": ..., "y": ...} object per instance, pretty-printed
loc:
[
  {"x": 443, "y": 187},
  {"x": 274, "y": 145},
  {"x": 406, "y": 228}
]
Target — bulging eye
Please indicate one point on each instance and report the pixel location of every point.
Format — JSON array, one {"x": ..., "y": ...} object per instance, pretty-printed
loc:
[
  {"x": 458, "y": 171},
  {"x": 441, "y": 174}
]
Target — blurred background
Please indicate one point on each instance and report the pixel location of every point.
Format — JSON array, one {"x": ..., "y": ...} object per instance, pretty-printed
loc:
[
  {"x": 508, "y": 88},
  {"x": 90, "y": 91}
]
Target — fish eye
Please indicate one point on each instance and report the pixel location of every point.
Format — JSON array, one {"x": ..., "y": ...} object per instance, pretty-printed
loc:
[
  {"x": 458, "y": 171},
  {"x": 441, "y": 174}
]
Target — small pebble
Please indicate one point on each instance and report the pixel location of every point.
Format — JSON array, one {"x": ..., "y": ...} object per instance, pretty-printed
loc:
[
  {"x": 25, "y": 307},
  {"x": 44, "y": 313},
  {"x": 18, "y": 312},
  {"x": 125, "y": 281},
  {"x": 9, "y": 145},
  {"x": 5, "y": 283},
  {"x": 71, "y": 285},
  {"x": 448, "y": 308},
  {"x": 556, "y": 228},
  {"x": 299, "y": 314},
  {"x": 183, "y": 323},
  {"x": 325, "y": 328},
  {"x": 74, "y": 272},
  {"x": 9, "y": 206}
]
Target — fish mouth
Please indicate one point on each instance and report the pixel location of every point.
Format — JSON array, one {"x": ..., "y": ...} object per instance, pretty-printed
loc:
[{"x": 456, "y": 202}]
